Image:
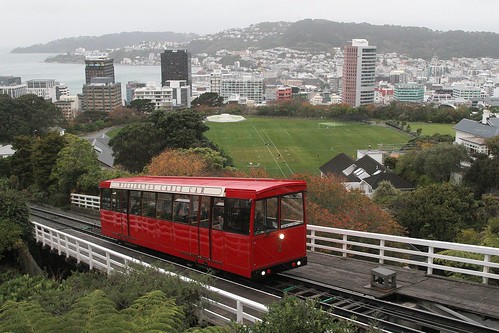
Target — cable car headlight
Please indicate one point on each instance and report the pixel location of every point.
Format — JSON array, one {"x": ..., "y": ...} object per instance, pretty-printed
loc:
[
  {"x": 298, "y": 263},
  {"x": 281, "y": 236}
]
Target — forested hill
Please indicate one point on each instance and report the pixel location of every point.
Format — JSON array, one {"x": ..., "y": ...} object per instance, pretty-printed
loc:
[
  {"x": 108, "y": 41},
  {"x": 323, "y": 35},
  {"x": 307, "y": 35}
]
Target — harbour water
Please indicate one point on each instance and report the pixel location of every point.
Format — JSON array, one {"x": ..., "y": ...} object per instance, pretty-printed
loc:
[{"x": 32, "y": 66}]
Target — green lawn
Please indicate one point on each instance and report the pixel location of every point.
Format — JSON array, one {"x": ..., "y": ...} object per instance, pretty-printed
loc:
[
  {"x": 287, "y": 146},
  {"x": 430, "y": 129}
]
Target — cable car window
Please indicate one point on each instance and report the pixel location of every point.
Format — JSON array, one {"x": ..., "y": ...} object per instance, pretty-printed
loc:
[
  {"x": 237, "y": 216},
  {"x": 193, "y": 216},
  {"x": 218, "y": 214},
  {"x": 114, "y": 200},
  {"x": 122, "y": 201},
  {"x": 135, "y": 203},
  {"x": 204, "y": 212},
  {"x": 149, "y": 204},
  {"x": 265, "y": 215},
  {"x": 164, "y": 206},
  {"x": 181, "y": 207},
  {"x": 291, "y": 210},
  {"x": 105, "y": 199}
]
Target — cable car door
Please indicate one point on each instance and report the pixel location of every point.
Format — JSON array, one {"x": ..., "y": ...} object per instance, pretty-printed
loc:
[
  {"x": 204, "y": 235},
  {"x": 122, "y": 199},
  {"x": 119, "y": 202}
]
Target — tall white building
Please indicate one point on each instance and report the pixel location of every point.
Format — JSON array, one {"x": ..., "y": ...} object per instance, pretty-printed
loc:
[
  {"x": 248, "y": 87},
  {"x": 359, "y": 73},
  {"x": 42, "y": 88},
  {"x": 181, "y": 92},
  {"x": 14, "y": 91},
  {"x": 216, "y": 81},
  {"x": 159, "y": 96}
]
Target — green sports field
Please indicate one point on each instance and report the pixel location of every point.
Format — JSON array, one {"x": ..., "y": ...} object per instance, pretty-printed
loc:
[
  {"x": 430, "y": 129},
  {"x": 287, "y": 146}
]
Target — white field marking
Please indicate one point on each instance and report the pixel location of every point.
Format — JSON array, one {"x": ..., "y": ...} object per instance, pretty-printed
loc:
[
  {"x": 286, "y": 131},
  {"x": 280, "y": 155},
  {"x": 270, "y": 152}
]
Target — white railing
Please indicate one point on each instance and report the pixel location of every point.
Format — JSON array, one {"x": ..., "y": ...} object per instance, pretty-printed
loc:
[
  {"x": 398, "y": 251},
  {"x": 100, "y": 258},
  {"x": 387, "y": 249},
  {"x": 85, "y": 201}
]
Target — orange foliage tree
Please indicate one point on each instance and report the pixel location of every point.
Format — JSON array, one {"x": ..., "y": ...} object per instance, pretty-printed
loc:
[
  {"x": 177, "y": 163},
  {"x": 330, "y": 204}
]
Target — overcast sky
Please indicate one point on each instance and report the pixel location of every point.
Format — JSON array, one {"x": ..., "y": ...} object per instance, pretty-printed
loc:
[{"x": 26, "y": 22}]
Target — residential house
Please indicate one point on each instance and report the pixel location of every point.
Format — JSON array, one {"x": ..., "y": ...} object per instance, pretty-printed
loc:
[
  {"x": 363, "y": 174},
  {"x": 472, "y": 134},
  {"x": 104, "y": 151}
]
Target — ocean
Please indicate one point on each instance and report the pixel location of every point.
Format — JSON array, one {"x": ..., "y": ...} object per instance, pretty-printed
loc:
[{"x": 31, "y": 66}]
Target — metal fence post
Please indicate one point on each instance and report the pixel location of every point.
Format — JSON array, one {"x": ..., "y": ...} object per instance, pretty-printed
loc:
[
  {"x": 430, "y": 260},
  {"x": 345, "y": 240},
  {"x": 486, "y": 260},
  {"x": 382, "y": 251},
  {"x": 312, "y": 240},
  {"x": 239, "y": 312}
]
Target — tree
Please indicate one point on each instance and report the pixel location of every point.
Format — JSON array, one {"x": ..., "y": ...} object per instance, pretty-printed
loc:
[
  {"x": 43, "y": 158},
  {"x": 20, "y": 163},
  {"x": 438, "y": 211},
  {"x": 330, "y": 204},
  {"x": 14, "y": 219},
  {"x": 76, "y": 159},
  {"x": 211, "y": 99},
  {"x": 95, "y": 312},
  {"x": 177, "y": 163},
  {"x": 142, "y": 105},
  {"x": 291, "y": 314},
  {"x": 385, "y": 193},
  {"x": 483, "y": 174},
  {"x": 135, "y": 145},
  {"x": 187, "y": 162},
  {"x": 433, "y": 164},
  {"x": 26, "y": 115},
  {"x": 137, "y": 299},
  {"x": 181, "y": 129}
]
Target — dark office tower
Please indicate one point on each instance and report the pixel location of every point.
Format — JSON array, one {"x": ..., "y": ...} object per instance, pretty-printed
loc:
[
  {"x": 98, "y": 67},
  {"x": 175, "y": 66}
]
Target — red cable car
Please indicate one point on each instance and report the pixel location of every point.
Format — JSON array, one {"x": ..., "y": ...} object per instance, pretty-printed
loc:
[{"x": 249, "y": 227}]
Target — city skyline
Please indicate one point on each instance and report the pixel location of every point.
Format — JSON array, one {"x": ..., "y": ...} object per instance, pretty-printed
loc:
[{"x": 35, "y": 22}]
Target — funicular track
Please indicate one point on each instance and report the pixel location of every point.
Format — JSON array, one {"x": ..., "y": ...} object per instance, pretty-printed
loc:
[
  {"x": 367, "y": 310},
  {"x": 385, "y": 315}
]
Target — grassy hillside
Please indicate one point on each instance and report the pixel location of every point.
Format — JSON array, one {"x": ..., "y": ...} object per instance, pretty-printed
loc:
[{"x": 287, "y": 146}]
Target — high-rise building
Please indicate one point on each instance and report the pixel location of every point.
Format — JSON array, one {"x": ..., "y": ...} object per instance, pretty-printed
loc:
[
  {"x": 176, "y": 66},
  {"x": 216, "y": 81},
  {"x": 359, "y": 73},
  {"x": 102, "y": 94},
  {"x": 98, "y": 67}
]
